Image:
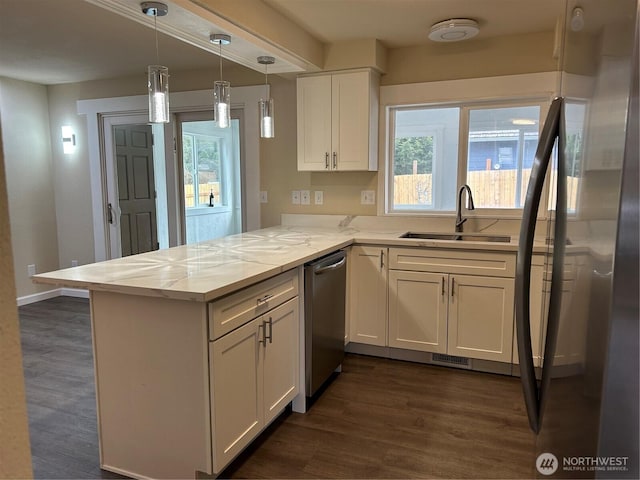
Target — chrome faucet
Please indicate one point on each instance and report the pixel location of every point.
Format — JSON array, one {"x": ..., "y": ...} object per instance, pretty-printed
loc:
[{"x": 459, "y": 219}]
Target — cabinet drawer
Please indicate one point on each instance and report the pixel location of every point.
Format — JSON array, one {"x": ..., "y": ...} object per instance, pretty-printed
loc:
[
  {"x": 235, "y": 309},
  {"x": 438, "y": 260}
]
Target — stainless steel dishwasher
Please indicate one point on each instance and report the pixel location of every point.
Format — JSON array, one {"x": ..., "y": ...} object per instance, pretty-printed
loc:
[{"x": 324, "y": 305}]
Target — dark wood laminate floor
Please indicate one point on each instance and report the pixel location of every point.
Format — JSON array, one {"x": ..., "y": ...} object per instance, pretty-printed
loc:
[
  {"x": 61, "y": 401},
  {"x": 378, "y": 419}
]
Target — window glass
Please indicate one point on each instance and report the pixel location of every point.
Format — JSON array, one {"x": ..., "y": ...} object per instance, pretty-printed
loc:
[
  {"x": 575, "y": 114},
  {"x": 424, "y": 159},
  {"x": 501, "y": 148}
]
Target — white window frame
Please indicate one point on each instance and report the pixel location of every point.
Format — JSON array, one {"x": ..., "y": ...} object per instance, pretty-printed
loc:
[
  {"x": 436, "y": 131},
  {"x": 196, "y": 186},
  {"x": 524, "y": 87}
]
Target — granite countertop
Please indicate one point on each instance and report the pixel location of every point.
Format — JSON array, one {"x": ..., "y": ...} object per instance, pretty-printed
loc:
[{"x": 207, "y": 270}]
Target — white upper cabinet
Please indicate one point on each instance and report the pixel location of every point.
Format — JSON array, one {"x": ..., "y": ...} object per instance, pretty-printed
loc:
[{"x": 338, "y": 122}]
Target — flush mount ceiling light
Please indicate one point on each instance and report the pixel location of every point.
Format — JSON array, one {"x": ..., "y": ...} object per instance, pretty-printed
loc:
[
  {"x": 453, "y": 30},
  {"x": 577, "y": 19}
]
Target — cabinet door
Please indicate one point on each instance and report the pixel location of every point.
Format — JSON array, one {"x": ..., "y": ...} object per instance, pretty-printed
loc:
[
  {"x": 350, "y": 121},
  {"x": 280, "y": 358},
  {"x": 418, "y": 311},
  {"x": 314, "y": 123},
  {"x": 481, "y": 317},
  {"x": 236, "y": 396},
  {"x": 368, "y": 295}
]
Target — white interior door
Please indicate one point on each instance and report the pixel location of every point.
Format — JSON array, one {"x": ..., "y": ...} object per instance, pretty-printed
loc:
[
  {"x": 136, "y": 189},
  {"x": 132, "y": 170}
]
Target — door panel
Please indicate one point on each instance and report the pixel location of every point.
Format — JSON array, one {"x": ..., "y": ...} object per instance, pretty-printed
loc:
[
  {"x": 136, "y": 190},
  {"x": 280, "y": 358},
  {"x": 418, "y": 311},
  {"x": 350, "y": 133},
  {"x": 481, "y": 317},
  {"x": 368, "y": 292},
  {"x": 236, "y": 396}
]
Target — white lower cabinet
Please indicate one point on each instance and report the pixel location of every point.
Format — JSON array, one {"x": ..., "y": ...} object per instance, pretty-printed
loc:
[
  {"x": 418, "y": 311},
  {"x": 280, "y": 359},
  {"x": 481, "y": 316},
  {"x": 368, "y": 295},
  {"x": 434, "y": 306},
  {"x": 254, "y": 376}
]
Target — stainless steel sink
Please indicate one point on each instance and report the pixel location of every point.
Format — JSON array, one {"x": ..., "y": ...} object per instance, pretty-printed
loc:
[{"x": 462, "y": 237}]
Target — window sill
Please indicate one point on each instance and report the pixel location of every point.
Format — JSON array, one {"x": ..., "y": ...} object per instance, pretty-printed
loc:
[{"x": 193, "y": 211}]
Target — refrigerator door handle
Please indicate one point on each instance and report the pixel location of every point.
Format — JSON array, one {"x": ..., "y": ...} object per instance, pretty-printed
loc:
[
  {"x": 557, "y": 274},
  {"x": 541, "y": 161}
]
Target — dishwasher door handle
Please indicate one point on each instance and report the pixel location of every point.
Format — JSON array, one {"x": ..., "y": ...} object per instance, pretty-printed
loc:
[{"x": 333, "y": 266}]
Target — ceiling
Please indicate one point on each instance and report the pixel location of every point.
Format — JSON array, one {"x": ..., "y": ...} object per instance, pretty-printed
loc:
[
  {"x": 61, "y": 41},
  {"x": 402, "y": 23}
]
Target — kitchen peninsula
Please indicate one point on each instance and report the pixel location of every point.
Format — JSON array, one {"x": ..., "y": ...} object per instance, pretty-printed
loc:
[{"x": 185, "y": 376}]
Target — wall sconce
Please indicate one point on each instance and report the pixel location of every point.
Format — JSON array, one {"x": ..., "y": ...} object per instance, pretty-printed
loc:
[
  {"x": 221, "y": 89},
  {"x": 158, "y": 75},
  {"x": 265, "y": 106},
  {"x": 68, "y": 140}
]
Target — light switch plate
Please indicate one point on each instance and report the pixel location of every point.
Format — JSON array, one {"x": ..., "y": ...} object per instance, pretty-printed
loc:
[
  {"x": 295, "y": 197},
  {"x": 263, "y": 196},
  {"x": 318, "y": 197},
  {"x": 367, "y": 197},
  {"x": 305, "y": 197},
  {"x": 31, "y": 270}
]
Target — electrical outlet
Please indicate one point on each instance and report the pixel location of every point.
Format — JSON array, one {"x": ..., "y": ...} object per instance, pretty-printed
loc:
[
  {"x": 74, "y": 263},
  {"x": 305, "y": 197},
  {"x": 263, "y": 196},
  {"x": 295, "y": 197},
  {"x": 367, "y": 197},
  {"x": 318, "y": 197},
  {"x": 31, "y": 270}
]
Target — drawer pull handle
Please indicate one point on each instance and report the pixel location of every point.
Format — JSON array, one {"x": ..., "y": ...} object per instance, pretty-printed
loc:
[
  {"x": 443, "y": 286},
  {"x": 264, "y": 299}
]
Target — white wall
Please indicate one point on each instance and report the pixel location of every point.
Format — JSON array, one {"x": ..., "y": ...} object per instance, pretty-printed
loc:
[
  {"x": 24, "y": 113},
  {"x": 73, "y": 192}
]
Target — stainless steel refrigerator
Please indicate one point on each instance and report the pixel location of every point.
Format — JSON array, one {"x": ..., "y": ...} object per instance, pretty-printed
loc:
[{"x": 583, "y": 403}]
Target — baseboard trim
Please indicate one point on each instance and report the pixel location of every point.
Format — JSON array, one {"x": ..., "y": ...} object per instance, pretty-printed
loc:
[{"x": 57, "y": 292}]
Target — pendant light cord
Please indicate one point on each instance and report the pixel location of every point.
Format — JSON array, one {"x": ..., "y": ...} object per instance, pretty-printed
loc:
[
  {"x": 266, "y": 85},
  {"x": 155, "y": 26},
  {"x": 220, "y": 56}
]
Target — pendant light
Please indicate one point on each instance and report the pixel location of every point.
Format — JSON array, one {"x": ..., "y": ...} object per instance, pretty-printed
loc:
[
  {"x": 158, "y": 75},
  {"x": 265, "y": 105},
  {"x": 221, "y": 89}
]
